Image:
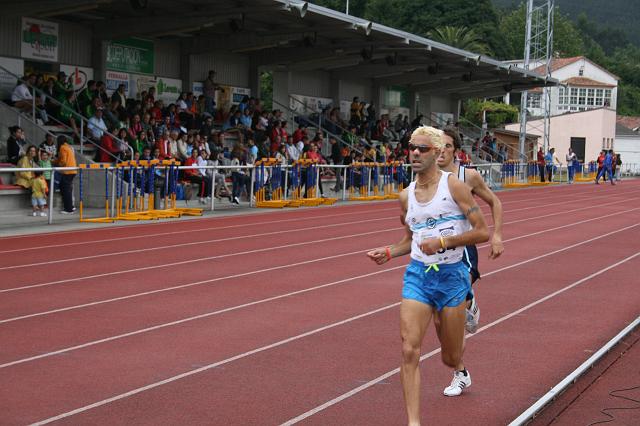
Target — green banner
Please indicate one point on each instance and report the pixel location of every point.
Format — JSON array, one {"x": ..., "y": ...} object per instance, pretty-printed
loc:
[
  {"x": 130, "y": 55},
  {"x": 397, "y": 96}
]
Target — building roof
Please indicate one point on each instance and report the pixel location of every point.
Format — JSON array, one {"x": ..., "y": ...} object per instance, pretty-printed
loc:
[
  {"x": 624, "y": 131},
  {"x": 632, "y": 123},
  {"x": 584, "y": 81},
  {"x": 558, "y": 63},
  {"x": 514, "y": 133},
  {"x": 292, "y": 35}
]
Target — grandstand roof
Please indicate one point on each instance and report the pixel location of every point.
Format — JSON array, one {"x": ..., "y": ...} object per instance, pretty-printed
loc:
[{"x": 296, "y": 35}]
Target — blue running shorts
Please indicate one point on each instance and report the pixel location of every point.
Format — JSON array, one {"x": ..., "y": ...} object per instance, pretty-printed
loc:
[{"x": 447, "y": 287}]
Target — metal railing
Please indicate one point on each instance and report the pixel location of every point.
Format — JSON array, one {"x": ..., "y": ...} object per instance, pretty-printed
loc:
[
  {"x": 320, "y": 122},
  {"x": 83, "y": 121}
]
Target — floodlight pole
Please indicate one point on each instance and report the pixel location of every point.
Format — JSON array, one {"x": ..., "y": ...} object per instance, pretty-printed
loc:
[
  {"x": 523, "y": 101},
  {"x": 347, "y": 12}
]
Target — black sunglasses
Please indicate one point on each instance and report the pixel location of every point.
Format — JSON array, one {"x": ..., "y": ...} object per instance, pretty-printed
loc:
[{"x": 422, "y": 148}]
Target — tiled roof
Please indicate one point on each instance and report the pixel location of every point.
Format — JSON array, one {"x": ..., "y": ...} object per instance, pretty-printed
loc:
[
  {"x": 628, "y": 122},
  {"x": 584, "y": 81},
  {"x": 557, "y": 63}
]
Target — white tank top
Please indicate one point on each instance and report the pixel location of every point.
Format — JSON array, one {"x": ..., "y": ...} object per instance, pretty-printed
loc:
[{"x": 439, "y": 217}]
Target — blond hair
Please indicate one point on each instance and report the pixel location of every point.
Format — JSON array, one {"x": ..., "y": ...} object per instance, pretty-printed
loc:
[{"x": 435, "y": 135}]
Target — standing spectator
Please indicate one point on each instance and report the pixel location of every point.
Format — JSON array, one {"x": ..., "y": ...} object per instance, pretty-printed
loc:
[
  {"x": 39, "y": 189},
  {"x": 27, "y": 161},
  {"x": 549, "y": 162},
  {"x": 571, "y": 160},
  {"x": 618, "y": 174},
  {"x": 210, "y": 88},
  {"x": 600, "y": 161},
  {"x": 540, "y": 158},
  {"x": 16, "y": 144},
  {"x": 66, "y": 158},
  {"x": 120, "y": 96},
  {"x": 337, "y": 158}
]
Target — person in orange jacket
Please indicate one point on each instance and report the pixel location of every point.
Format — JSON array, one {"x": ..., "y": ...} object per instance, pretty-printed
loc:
[{"x": 66, "y": 158}]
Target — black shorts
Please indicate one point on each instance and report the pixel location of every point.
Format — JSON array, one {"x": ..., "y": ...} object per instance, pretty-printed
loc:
[{"x": 470, "y": 259}]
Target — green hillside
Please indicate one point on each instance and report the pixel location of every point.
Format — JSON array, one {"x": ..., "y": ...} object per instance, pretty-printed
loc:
[{"x": 616, "y": 14}]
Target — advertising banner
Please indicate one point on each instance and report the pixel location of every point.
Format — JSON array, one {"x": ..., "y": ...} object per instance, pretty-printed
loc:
[
  {"x": 130, "y": 55},
  {"x": 114, "y": 79},
  {"x": 306, "y": 105},
  {"x": 168, "y": 89},
  {"x": 79, "y": 75},
  {"x": 139, "y": 83},
  {"x": 39, "y": 40}
]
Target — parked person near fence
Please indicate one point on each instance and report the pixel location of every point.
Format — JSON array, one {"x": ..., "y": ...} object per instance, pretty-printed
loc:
[
  {"x": 436, "y": 281},
  {"x": 39, "y": 189},
  {"x": 27, "y": 161},
  {"x": 197, "y": 176},
  {"x": 239, "y": 178},
  {"x": 618, "y": 174},
  {"x": 66, "y": 158},
  {"x": 337, "y": 158},
  {"x": 550, "y": 160}
]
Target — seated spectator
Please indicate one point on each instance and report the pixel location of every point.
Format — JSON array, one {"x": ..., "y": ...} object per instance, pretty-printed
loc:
[
  {"x": 96, "y": 125},
  {"x": 23, "y": 100},
  {"x": 239, "y": 178},
  {"x": 28, "y": 160},
  {"x": 16, "y": 144},
  {"x": 218, "y": 176},
  {"x": 45, "y": 163},
  {"x": 197, "y": 176},
  {"x": 68, "y": 111},
  {"x": 49, "y": 145},
  {"x": 109, "y": 151}
]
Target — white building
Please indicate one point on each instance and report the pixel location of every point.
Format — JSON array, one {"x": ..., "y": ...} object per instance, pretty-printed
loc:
[
  {"x": 585, "y": 85},
  {"x": 627, "y": 143}
]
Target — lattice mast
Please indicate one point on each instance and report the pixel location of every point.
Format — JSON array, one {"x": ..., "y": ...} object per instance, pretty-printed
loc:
[{"x": 538, "y": 50}]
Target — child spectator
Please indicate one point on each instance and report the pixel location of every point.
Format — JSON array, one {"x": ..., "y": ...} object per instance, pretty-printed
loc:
[
  {"x": 39, "y": 191},
  {"x": 45, "y": 163}
]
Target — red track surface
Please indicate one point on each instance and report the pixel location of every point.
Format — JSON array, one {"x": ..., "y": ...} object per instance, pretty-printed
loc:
[{"x": 275, "y": 316}]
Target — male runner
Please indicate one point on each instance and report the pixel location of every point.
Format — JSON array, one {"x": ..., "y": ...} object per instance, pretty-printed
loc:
[
  {"x": 477, "y": 186},
  {"x": 441, "y": 218}
]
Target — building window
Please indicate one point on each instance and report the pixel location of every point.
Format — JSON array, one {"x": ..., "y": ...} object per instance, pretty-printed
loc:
[
  {"x": 582, "y": 99},
  {"x": 534, "y": 100},
  {"x": 607, "y": 97}
]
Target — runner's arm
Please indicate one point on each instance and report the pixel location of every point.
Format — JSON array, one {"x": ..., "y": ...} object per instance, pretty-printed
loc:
[
  {"x": 481, "y": 189},
  {"x": 384, "y": 254}
]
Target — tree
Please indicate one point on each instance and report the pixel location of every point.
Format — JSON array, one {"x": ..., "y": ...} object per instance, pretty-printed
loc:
[
  {"x": 567, "y": 40},
  {"x": 460, "y": 37}
]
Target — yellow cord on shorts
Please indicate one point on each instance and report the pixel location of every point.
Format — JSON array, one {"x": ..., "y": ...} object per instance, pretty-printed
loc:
[{"x": 433, "y": 266}]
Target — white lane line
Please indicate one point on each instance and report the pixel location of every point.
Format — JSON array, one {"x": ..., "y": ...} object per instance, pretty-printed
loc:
[
  {"x": 309, "y": 333},
  {"x": 196, "y": 317},
  {"x": 162, "y": 290},
  {"x": 388, "y": 374},
  {"x": 208, "y": 228},
  {"x": 192, "y": 243},
  {"x": 218, "y": 240},
  {"x": 241, "y": 237},
  {"x": 208, "y": 314},
  {"x": 201, "y": 259},
  {"x": 577, "y": 197}
]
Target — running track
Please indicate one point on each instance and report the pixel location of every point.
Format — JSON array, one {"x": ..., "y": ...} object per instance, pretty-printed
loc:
[{"x": 279, "y": 317}]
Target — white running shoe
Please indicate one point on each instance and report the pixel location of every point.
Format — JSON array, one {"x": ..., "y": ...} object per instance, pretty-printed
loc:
[
  {"x": 473, "y": 317},
  {"x": 459, "y": 382}
]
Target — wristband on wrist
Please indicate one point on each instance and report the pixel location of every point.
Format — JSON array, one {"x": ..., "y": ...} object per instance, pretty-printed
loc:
[
  {"x": 442, "y": 244},
  {"x": 388, "y": 252}
]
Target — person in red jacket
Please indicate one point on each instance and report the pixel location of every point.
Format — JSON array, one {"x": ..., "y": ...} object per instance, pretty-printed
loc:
[
  {"x": 541, "y": 164},
  {"x": 108, "y": 149}
]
